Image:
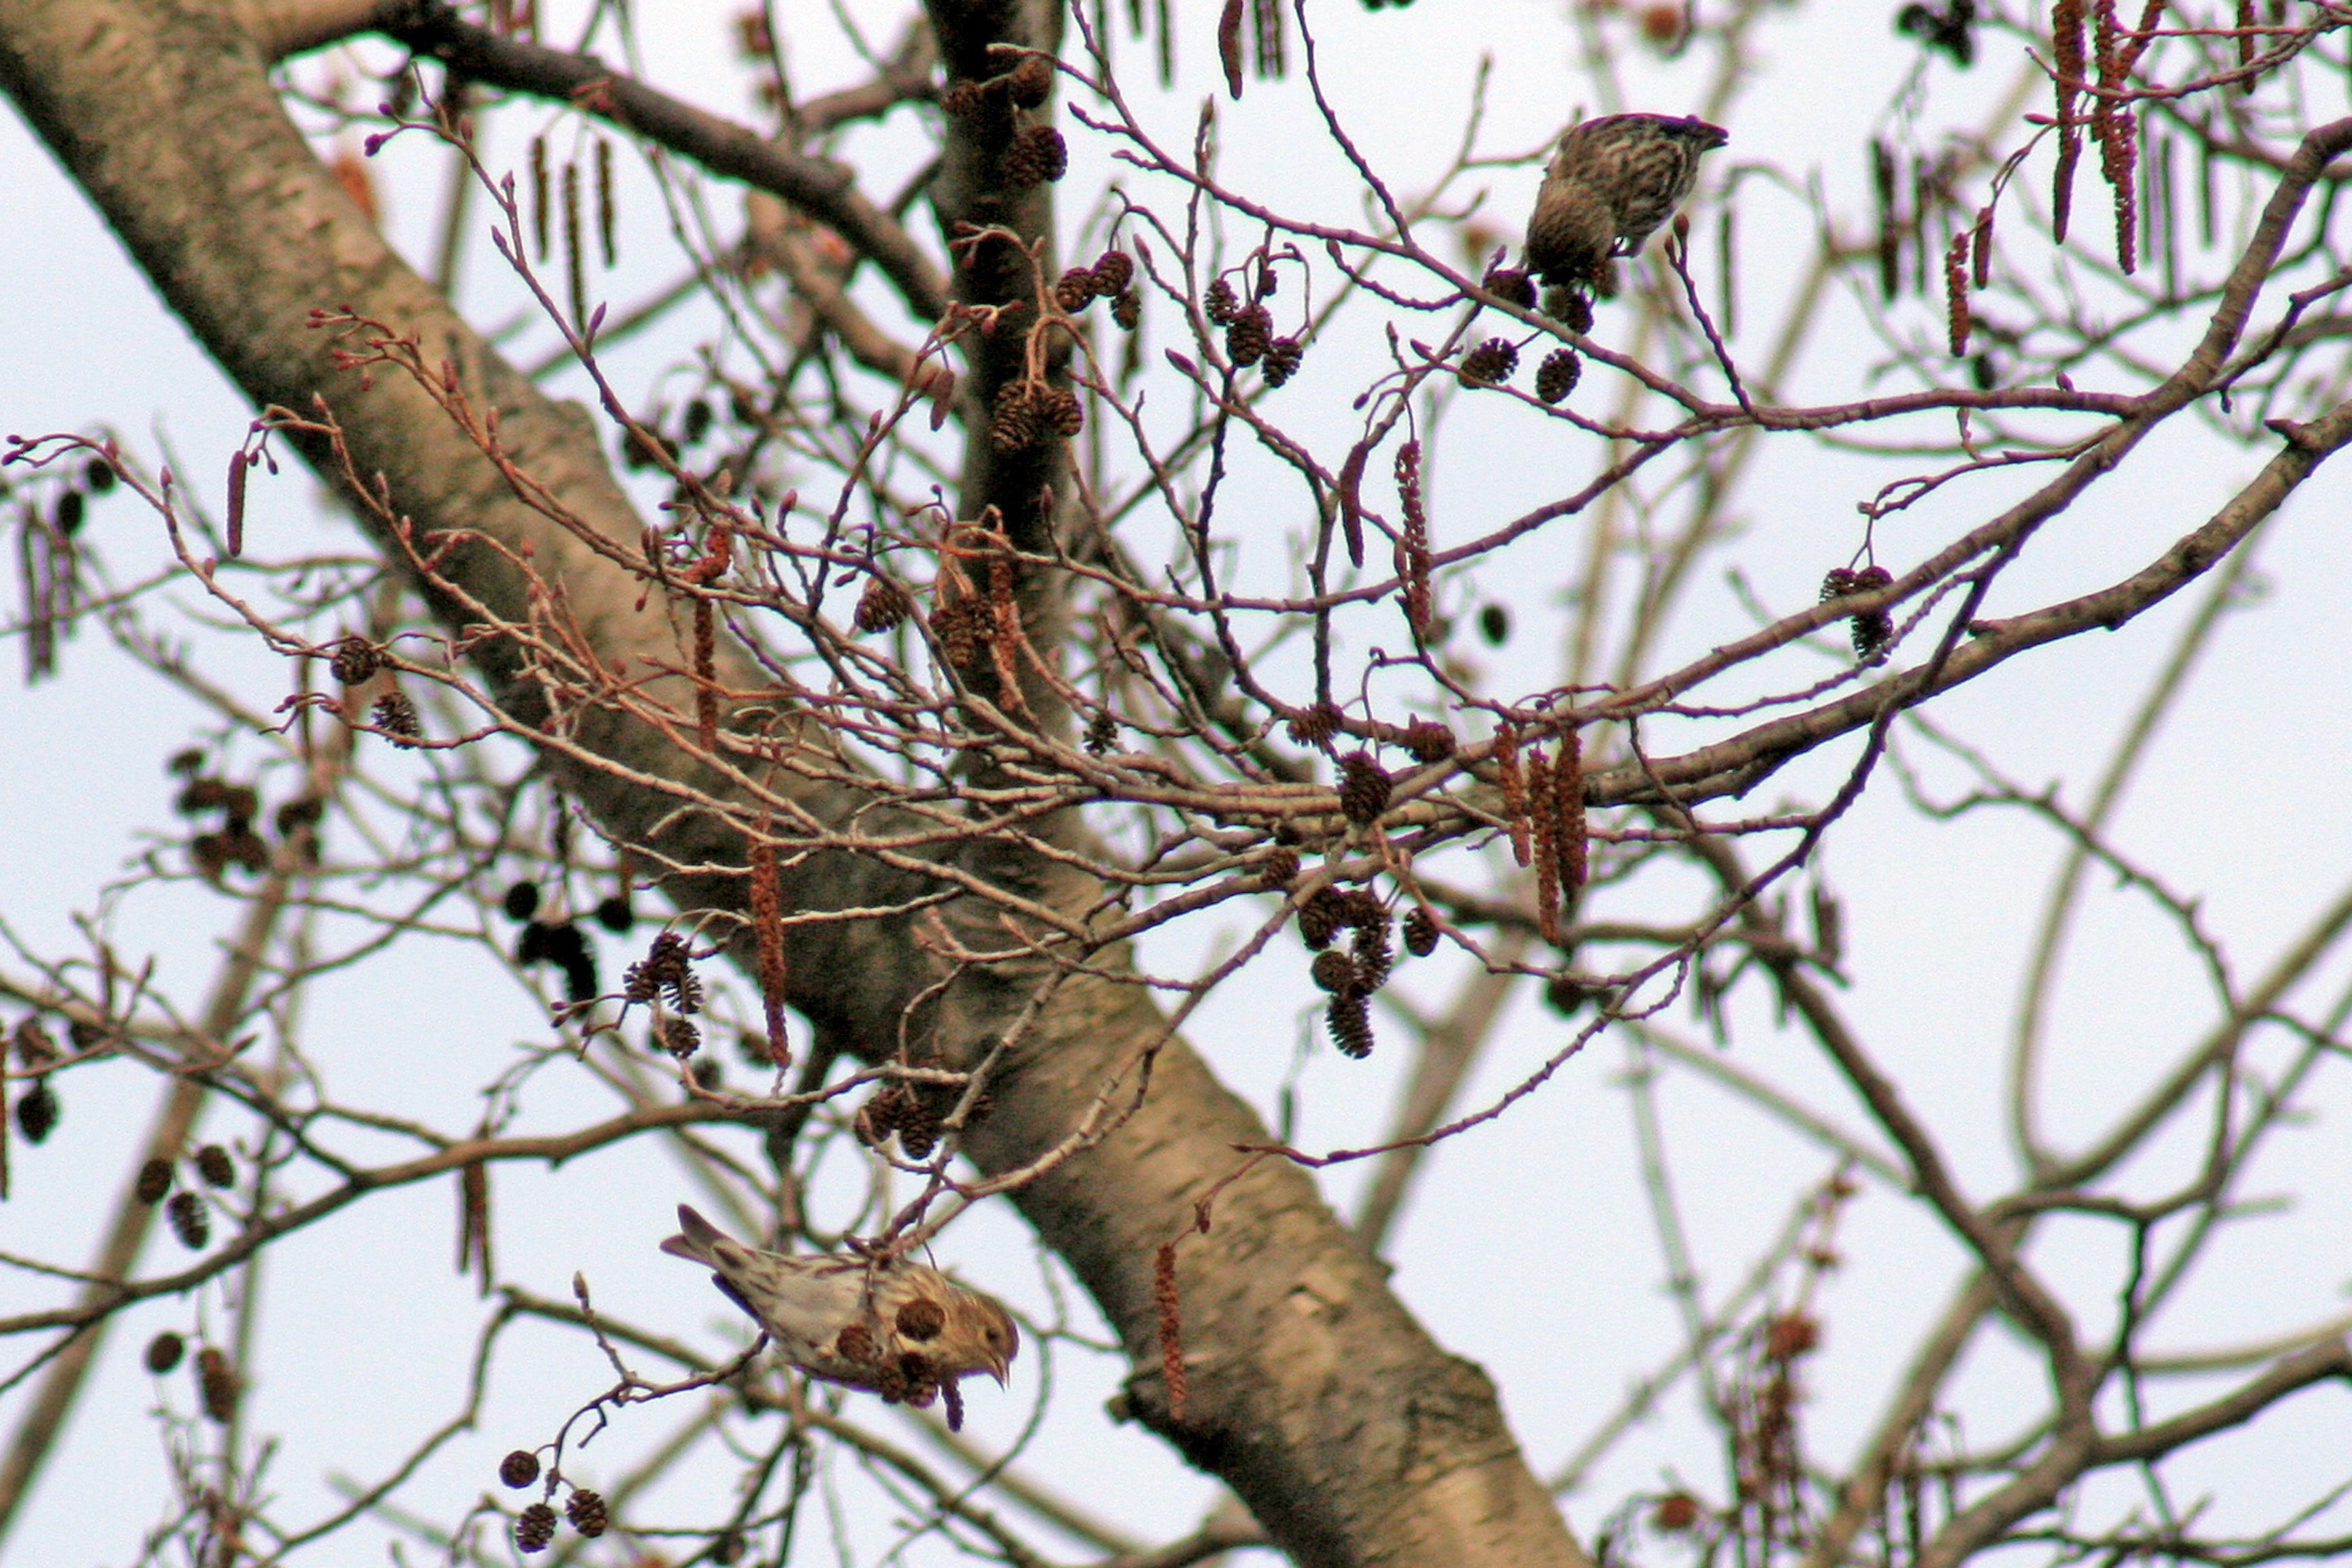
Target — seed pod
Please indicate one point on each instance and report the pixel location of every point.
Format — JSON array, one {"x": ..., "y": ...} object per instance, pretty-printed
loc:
[
  {"x": 1490, "y": 364},
  {"x": 1556, "y": 377},
  {"x": 190, "y": 1221},
  {"x": 1030, "y": 82},
  {"x": 1113, "y": 271},
  {"x": 1219, "y": 303},
  {"x": 1037, "y": 156},
  {"x": 680, "y": 1038},
  {"x": 1102, "y": 733},
  {"x": 586, "y": 1511},
  {"x": 1419, "y": 932},
  {"x": 1517, "y": 287},
  {"x": 395, "y": 715},
  {"x": 1283, "y": 358},
  {"x": 518, "y": 1469},
  {"x": 36, "y": 1112},
  {"x": 163, "y": 1353},
  {"x": 882, "y": 606},
  {"x": 1319, "y": 917},
  {"x": 155, "y": 1181},
  {"x": 534, "y": 1527},
  {"x": 217, "y": 1385},
  {"x": 1280, "y": 867},
  {"x": 1128, "y": 310},
  {"x": 921, "y": 1320},
  {"x": 213, "y": 1165},
  {"x": 1075, "y": 290},
  {"x": 1334, "y": 971},
  {"x": 1364, "y": 789},
  {"x": 1349, "y": 1019},
  {"x": 616, "y": 914},
  {"x": 1250, "y": 335},
  {"x": 1428, "y": 742}
]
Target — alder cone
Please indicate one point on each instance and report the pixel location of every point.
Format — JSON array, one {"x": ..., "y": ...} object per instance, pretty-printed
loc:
[
  {"x": 1038, "y": 156},
  {"x": 1363, "y": 788},
  {"x": 534, "y": 1528}
]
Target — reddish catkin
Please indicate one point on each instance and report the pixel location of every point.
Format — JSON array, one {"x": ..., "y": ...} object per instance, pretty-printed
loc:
[
  {"x": 768, "y": 925},
  {"x": 1415, "y": 547},
  {"x": 2246, "y": 34},
  {"x": 2125, "y": 179},
  {"x": 1171, "y": 1328},
  {"x": 1980, "y": 249},
  {"x": 1956, "y": 293},
  {"x": 1567, "y": 805},
  {"x": 2066, "y": 58},
  {"x": 1546, "y": 822},
  {"x": 1515, "y": 789},
  {"x": 474, "y": 1222},
  {"x": 575, "y": 260},
  {"x": 606, "y": 239},
  {"x": 1229, "y": 45},
  {"x": 706, "y": 673},
  {"x": 539, "y": 204},
  {"x": 2103, "y": 55},
  {"x": 238, "y": 466}
]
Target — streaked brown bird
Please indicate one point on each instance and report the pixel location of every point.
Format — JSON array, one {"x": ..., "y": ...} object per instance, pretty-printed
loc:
[
  {"x": 903, "y": 1330},
  {"x": 1613, "y": 181}
]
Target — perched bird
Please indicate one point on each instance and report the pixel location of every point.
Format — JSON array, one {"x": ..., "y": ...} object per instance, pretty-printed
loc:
[
  {"x": 1613, "y": 181},
  {"x": 901, "y": 1329}
]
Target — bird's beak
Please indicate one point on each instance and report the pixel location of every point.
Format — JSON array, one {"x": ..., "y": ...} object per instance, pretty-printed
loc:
[{"x": 997, "y": 1370}]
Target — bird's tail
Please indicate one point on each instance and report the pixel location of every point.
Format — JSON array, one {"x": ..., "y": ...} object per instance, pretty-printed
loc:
[{"x": 698, "y": 1239}]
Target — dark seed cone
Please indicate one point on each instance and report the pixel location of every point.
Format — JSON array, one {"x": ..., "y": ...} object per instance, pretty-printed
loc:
[
  {"x": 1114, "y": 270},
  {"x": 1507, "y": 283},
  {"x": 1250, "y": 335},
  {"x": 964, "y": 99},
  {"x": 1063, "y": 414},
  {"x": 856, "y": 1343},
  {"x": 1030, "y": 82},
  {"x": 521, "y": 902},
  {"x": 534, "y": 1527},
  {"x": 163, "y": 1353},
  {"x": 395, "y": 715},
  {"x": 1319, "y": 917},
  {"x": 1571, "y": 308},
  {"x": 1428, "y": 742},
  {"x": 1420, "y": 933},
  {"x": 217, "y": 1385},
  {"x": 1556, "y": 376},
  {"x": 155, "y": 1181},
  {"x": 36, "y": 1112},
  {"x": 1280, "y": 867},
  {"x": 1490, "y": 364},
  {"x": 355, "y": 659},
  {"x": 518, "y": 1469},
  {"x": 1373, "y": 956},
  {"x": 1313, "y": 726},
  {"x": 1076, "y": 289},
  {"x": 1350, "y": 1020},
  {"x": 1363, "y": 788},
  {"x": 1102, "y": 733},
  {"x": 883, "y": 605},
  {"x": 664, "y": 968},
  {"x": 1283, "y": 357},
  {"x": 585, "y": 1510},
  {"x": 1038, "y": 156},
  {"x": 1219, "y": 303},
  {"x": 680, "y": 1038},
  {"x": 1871, "y": 632},
  {"x": 1127, "y": 309},
  {"x": 213, "y": 1165},
  {"x": 1020, "y": 416},
  {"x": 921, "y": 1321},
  {"x": 190, "y": 1222},
  {"x": 1334, "y": 971},
  {"x": 616, "y": 914}
]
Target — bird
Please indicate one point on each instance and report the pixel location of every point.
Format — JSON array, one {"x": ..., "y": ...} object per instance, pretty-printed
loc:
[
  {"x": 896, "y": 1328},
  {"x": 1610, "y": 186}
]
